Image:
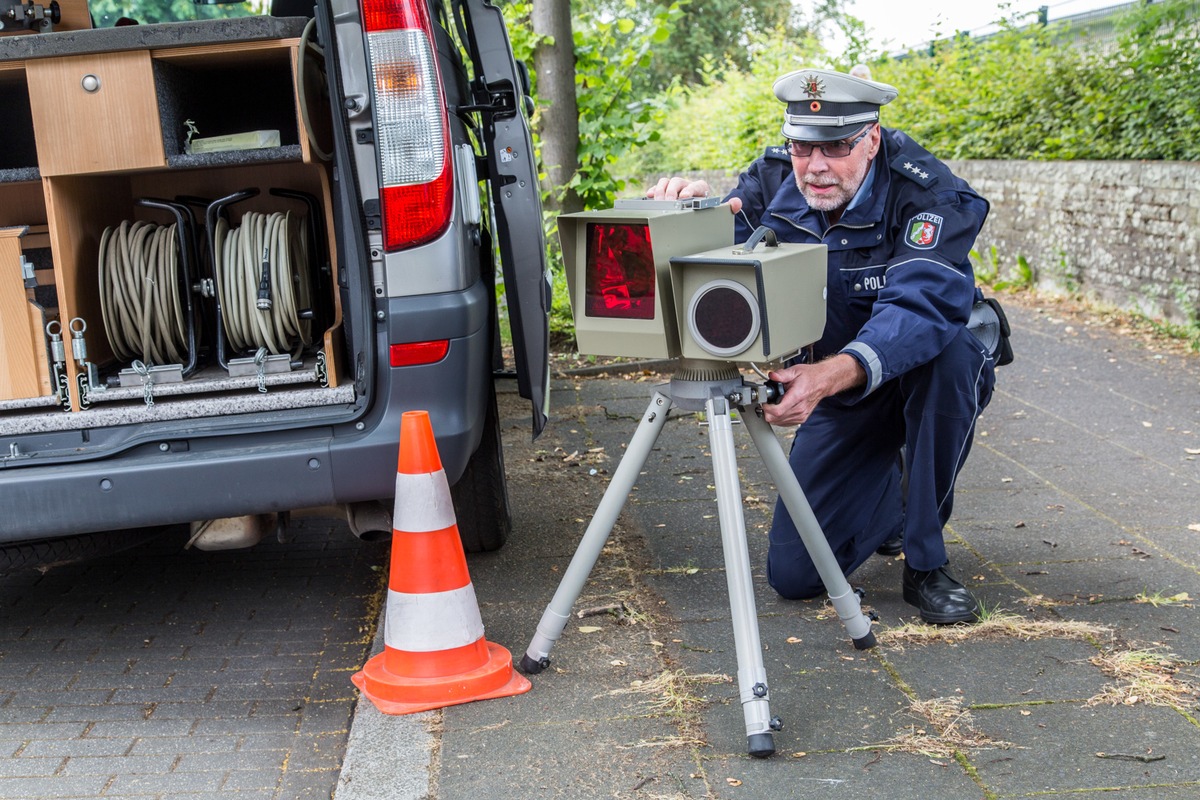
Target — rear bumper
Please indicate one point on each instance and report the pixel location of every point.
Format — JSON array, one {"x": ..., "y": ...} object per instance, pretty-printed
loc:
[{"x": 264, "y": 470}]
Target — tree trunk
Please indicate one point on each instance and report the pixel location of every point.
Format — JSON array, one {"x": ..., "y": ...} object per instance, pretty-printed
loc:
[{"x": 558, "y": 118}]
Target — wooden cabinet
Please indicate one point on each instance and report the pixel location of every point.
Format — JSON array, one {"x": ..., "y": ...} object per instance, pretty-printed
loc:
[
  {"x": 24, "y": 364},
  {"x": 95, "y": 113},
  {"x": 88, "y": 136}
]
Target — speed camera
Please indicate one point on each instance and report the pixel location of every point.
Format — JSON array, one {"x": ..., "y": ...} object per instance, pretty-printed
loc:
[
  {"x": 660, "y": 279},
  {"x": 619, "y": 275}
]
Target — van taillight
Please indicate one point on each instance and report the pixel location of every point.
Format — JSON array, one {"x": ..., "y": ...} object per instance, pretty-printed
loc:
[
  {"x": 619, "y": 272},
  {"x": 412, "y": 132},
  {"x": 412, "y": 354}
]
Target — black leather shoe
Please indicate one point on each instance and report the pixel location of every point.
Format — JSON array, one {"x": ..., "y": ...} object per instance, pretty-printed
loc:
[
  {"x": 892, "y": 546},
  {"x": 939, "y": 597}
]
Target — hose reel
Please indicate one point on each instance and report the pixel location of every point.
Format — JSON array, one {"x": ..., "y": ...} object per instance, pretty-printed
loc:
[
  {"x": 262, "y": 282},
  {"x": 154, "y": 281},
  {"x": 141, "y": 299},
  {"x": 263, "y": 273}
]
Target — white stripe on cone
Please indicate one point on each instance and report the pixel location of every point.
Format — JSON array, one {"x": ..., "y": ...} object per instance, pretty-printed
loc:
[
  {"x": 423, "y": 503},
  {"x": 432, "y": 621}
]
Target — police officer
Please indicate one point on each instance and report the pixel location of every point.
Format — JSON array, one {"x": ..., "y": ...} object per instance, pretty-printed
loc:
[{"x": 896, "y": 365}]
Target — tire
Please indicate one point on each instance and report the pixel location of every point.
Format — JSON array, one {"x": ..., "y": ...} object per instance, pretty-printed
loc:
[
  {"x": 481, "y": 505},
  {"x": 49, "y": 553}
]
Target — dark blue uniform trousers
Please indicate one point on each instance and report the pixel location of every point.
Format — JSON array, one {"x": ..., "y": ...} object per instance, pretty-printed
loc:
[{"x": 846, "y": 458}]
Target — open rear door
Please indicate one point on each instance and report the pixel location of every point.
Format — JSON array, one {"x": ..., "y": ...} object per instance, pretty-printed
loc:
[{"x": 516, "y": 197}]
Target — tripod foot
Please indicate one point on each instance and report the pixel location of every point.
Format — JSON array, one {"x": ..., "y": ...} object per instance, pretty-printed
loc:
[
  {"x": 865, "y": 642},
  {"x": 760, "y": 745},
  {"x": 532, "y": 667}
]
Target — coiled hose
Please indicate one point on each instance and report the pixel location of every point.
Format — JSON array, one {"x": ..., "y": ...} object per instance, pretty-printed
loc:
[
  {"x": 262, "y": 269},
  {"x": 140, "y": 293}
]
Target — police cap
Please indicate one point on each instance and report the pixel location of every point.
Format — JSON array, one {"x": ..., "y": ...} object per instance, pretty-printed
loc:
[{"x": 823, "y": 105}]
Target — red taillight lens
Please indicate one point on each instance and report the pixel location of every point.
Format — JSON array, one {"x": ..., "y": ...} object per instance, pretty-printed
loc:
[
  {"x": 412, "y": 132},
  {"x": 387, "y": 15},
  {"x": 413, "y": 214},
  {"x": 619, "y": 272},
  {"x": 412, "y": 354}
]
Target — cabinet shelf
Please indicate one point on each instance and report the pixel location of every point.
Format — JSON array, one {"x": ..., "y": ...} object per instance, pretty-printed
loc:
[{"x": 18, "y": 155}]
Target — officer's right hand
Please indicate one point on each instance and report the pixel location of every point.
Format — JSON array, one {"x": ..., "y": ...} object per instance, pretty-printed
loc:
[{"x": 678, "y": 188}]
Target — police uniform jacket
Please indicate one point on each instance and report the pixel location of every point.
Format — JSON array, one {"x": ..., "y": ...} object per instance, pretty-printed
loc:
[{"x": 900, "y": 283}]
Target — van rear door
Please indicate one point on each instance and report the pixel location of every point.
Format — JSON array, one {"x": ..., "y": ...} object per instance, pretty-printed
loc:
[{"x": 516, "y": 197}]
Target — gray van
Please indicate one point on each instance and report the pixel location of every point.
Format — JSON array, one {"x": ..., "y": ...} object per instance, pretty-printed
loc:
[{"x": 233, "y": 251}]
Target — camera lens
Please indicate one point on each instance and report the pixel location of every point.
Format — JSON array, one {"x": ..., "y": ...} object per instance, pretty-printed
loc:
[{"x": 723, "y": 318}]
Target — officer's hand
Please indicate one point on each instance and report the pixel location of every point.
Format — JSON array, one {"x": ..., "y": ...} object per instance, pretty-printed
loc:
[
  {"x": 683, "y": 189},
  {"x": 678, "y": 188},
  {"x": 805, "y": 385},
  {"x": 801, "y": 395}
]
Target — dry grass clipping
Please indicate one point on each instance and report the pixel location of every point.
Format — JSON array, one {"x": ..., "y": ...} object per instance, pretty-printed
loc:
[
  {"x": 674, "y": 694},
  {"x": 995, "y": 625},
  {"x": 947, "y": 729},
  {"x": 1144, "y": 677}
]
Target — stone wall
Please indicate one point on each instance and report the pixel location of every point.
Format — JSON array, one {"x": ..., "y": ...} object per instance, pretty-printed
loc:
[{"x": 1125, "y": 233}]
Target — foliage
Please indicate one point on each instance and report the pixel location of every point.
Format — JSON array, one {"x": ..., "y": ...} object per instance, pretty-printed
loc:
[
  {"x": 609, "y": 51},
  {"x": 715, "y": 34},
  {"x": 1023, "y": 277},
  {"x": 107, "y": 12},
  {"x": 987, "y": 265},
  {"x": 1039, "y": 93},
  {"x": 1032, "y": 92},
  {"x": 728, "y": 121}
]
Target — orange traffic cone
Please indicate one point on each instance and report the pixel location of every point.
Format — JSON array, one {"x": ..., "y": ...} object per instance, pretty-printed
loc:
[{"x": 434, "y": 651}]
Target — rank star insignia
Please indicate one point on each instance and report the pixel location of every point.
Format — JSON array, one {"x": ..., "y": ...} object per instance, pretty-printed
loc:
[
  {"x": 814, "y": 86},
  {"x": 914, "y": 169}
]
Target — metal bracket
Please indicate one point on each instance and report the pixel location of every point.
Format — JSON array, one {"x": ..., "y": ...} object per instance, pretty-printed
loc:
[
  {"x": 29, "y": 16},
  {"x": 260, "y": 365},
  {"x": 58, "y": 356},
  {"x": 27, "y": 273},
  {"x": 88, "y": 377},
  {"x": 322, "y": 370},
  {"x": 163, "y": 373},
  {"x": 15, "y": 454}
]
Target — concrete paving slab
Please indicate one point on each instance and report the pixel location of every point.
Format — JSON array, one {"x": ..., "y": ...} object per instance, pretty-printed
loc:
[
  {"x": 584, "y": 759},
  {"x": 1173, "y": 628},
  {"x": 1104, "y": 578},
  {"x": 1034, "y": 671},
  {"x": 845, "y": 776},
  {"x": 1058, "y": 745}
]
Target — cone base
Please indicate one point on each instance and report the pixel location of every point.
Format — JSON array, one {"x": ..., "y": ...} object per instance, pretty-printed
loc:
[{"x": 398, "y": 694}]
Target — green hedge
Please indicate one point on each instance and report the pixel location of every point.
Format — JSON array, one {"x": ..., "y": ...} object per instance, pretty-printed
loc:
[{"x": 1032, "y": 93}]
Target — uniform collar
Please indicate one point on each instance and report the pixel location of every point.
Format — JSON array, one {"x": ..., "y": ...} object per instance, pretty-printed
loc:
[{"x": 864, "y": 191}]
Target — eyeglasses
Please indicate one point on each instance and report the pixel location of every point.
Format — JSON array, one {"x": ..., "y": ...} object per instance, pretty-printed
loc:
[{"x": 838, "y": 149}]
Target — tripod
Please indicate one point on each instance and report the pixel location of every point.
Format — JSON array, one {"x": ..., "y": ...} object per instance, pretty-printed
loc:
[{"x": 715, "y": 387}]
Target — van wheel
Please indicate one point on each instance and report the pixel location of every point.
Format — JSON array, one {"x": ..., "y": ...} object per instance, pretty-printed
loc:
[
  {"x": 481, "y": 495},
  {"x": 49, "y": 553}
]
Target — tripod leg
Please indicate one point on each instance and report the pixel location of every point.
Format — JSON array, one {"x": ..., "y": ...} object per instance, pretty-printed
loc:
[
  {"x": 845, "y": 600},
  {"x": 554, "y": 619},
  {"x": 752, "y": 675}
]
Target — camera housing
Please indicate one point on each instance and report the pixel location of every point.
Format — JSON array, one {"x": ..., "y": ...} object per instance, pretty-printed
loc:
[
  {"x": 619, "y": 275},
  {"x": 659, "y": 279},
  {"x": 759, "y": 301}
]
